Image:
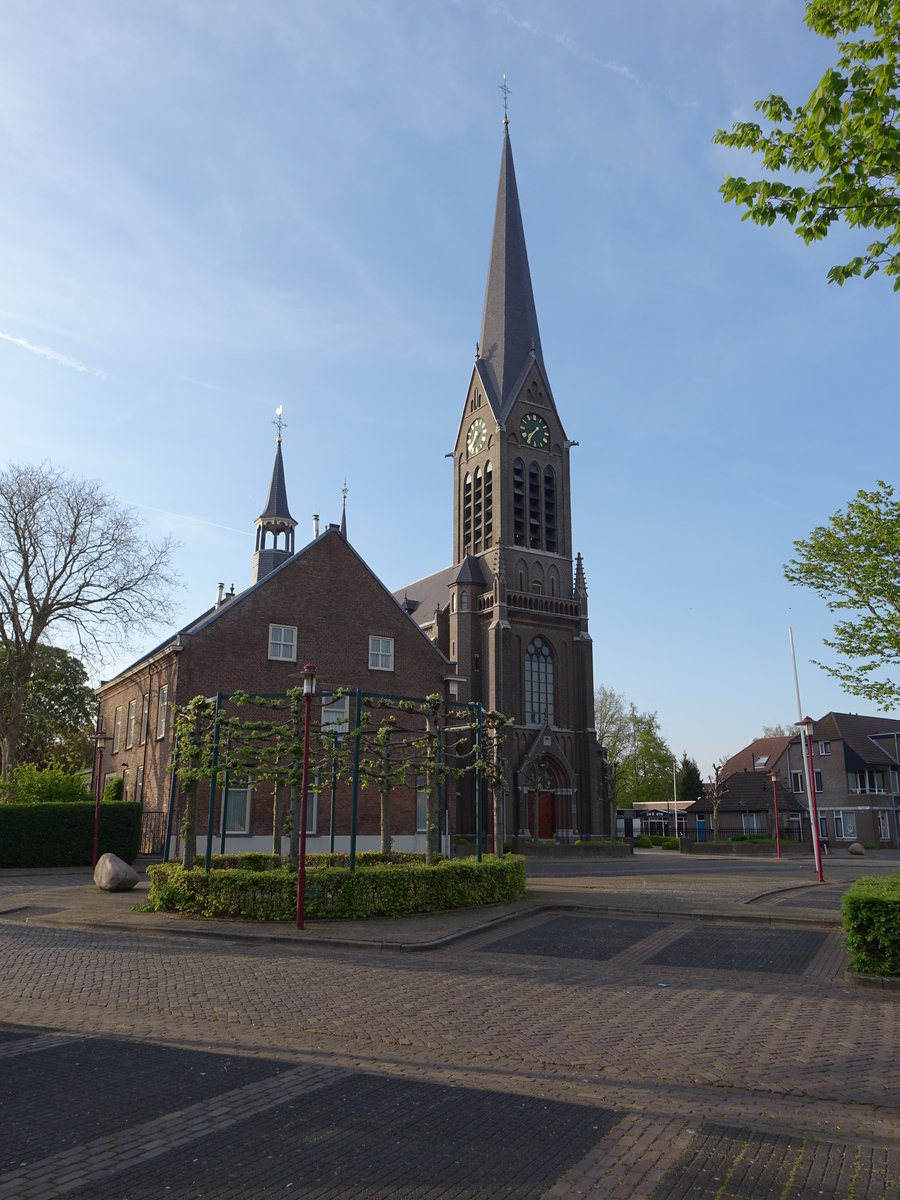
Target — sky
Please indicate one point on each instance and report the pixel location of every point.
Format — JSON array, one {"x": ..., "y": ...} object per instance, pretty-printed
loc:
[{"x": 211, "y": 208}]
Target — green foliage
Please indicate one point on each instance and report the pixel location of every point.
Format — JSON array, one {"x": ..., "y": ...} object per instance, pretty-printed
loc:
[
  {"x": 670, "y": 843},
  {"x": 690, "y": 781},
  {"x": 644, "y": 772},
  {"x": 851, "y": 563},
  {"x": 844, "y": 141},
  {"x": 58, "y": 709},
  {"x": 383, "y": 889},
  {"x": 114, "y": 789},
  {"x": 871, "y": 917},
  {"x": 611, "y": 721},
  {"x": 28, "y": 784},
  {"x": 643, "y": 841},
  {"x": 62, "y": 835}
]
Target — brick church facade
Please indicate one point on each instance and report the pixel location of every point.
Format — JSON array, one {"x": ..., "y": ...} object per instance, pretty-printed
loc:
[{"x": 506, "y": 624}]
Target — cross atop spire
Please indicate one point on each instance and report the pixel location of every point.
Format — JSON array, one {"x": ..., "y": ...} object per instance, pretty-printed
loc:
[
  {"x": 279, "y": 423},
  {"x": 505, "y": 90}
]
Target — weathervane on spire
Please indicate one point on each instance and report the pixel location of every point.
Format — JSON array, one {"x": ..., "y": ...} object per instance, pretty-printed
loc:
[
  {"x": 505, "y": 90},
  {"x": 278, "y": 422}
]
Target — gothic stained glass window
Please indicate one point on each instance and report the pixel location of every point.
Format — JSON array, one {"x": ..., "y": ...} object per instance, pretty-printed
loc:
[{"x": 538, "y": 683}]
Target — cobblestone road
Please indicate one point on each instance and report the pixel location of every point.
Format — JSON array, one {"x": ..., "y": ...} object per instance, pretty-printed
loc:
[{"x": 568, "y": 1054}]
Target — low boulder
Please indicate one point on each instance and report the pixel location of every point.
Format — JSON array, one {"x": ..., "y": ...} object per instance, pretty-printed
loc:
[
  {"x": 857, "y": 848},
  {"x": 113, "y": 875}
]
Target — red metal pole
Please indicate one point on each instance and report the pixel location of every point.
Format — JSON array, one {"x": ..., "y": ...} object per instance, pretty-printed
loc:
[
  {"x": 97, "y": 802},
  {"x": 777, "y": 834},
  {"x": 308, "y": 684}
]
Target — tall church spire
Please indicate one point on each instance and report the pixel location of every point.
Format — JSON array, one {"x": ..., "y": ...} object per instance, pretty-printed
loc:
[
  {"x": 509, "y": 326},
  {"x": 275, "y": 520}
]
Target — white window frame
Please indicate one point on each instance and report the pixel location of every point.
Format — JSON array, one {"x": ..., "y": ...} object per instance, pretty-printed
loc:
[
  {"x": 421, "y": 805},
  {"x": 824, "y": 748},
  {"x": 162, "y": 712},
  {"x": 381, "y": 653},
  {"x": 883, "y": 818},
  {"x": 234, "y": 830},
  {"x": 335, "y": 719},
  {"x": 279, "y": 643},
  {"x": 796, "y": 781},
  {"x": 817, "y": 780},
  {"x": 117, "y": 730},
  {"x": 844, "y": 817},
  {"x": 126, "y": 779},
  {"x": 145, "y": 717},
  {"x": 139, "y": 786},
  {"x": 751, "y": 822},
  {"x": 823, "y": 827},
  {"x": 312, "y": 809},
  {"x": 129, "y": 724}
]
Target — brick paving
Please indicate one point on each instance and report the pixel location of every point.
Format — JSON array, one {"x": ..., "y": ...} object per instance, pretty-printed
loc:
[{"x": 578, "y": 1051}]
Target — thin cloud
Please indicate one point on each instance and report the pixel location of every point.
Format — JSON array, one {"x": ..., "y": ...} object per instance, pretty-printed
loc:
[
  {"x": 54, "y": 356},
  {"x": 210, "y": 387},
  {"x": 190, "y": 519}
]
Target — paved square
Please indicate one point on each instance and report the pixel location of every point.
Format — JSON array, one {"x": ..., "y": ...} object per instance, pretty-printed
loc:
[
  {"x": 730, "y": 948},
  {"x": 588, "y": 937}
]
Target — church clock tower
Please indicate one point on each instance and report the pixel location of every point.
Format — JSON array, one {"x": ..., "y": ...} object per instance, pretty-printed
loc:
[{"x": 517, "y": 621}]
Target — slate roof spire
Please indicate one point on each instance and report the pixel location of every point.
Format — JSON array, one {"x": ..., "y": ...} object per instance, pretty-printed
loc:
[
  {"x": 509, "y": 327},
  {"x": 275, "y": 520}
]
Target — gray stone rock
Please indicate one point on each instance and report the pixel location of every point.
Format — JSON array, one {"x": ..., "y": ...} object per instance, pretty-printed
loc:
[
  {"x": 857, "y": 848},
  {"x": 113, "y": 875}
]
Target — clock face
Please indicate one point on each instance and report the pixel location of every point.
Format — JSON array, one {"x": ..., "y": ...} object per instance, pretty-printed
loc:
[
  {"x": 477, "y": 436},
  {"x": 534, "y": 432}
]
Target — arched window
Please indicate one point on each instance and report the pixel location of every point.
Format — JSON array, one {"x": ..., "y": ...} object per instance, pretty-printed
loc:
[
  {"x": 538, "y": 683},
  {"x": 488, "y": 506},
  {"x": 467, "y": 514},
  {"x": 534, "y": 507},
  {"x": 519, "y": 502},
  {"x": 463, "y": 601},
  {"x": 477, "y": 512},
  {"x": 549, "y": 510}
]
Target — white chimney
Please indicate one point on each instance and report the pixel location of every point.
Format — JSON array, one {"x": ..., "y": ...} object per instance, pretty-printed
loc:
[
  {"x": 315, "y": 525},
  {"x": 220, "y": 594}
]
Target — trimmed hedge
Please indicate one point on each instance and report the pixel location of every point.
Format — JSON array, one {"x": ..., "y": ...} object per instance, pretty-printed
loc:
[
  {"x": 385, "y": 890},
  {"x": 62, "y": 835},
  {"x": 258, "y": 861},
  {"x": 871, "y": 915}
]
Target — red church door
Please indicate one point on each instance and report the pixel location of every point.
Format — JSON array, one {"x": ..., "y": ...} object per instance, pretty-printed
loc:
[{"x": 547, "y": 814}]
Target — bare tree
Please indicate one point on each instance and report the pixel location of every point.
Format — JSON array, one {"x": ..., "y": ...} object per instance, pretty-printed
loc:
[
  {"x": 611, "y": 720},
  {"x": 73, "y": 562}
]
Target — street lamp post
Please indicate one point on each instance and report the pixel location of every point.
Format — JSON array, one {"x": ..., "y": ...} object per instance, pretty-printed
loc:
[
  {"x": 100, "y": 737},
  {"x": 806, "y": 729},
  {"x": 309, "y": 686},
  {"x": 774, "y": 777}
]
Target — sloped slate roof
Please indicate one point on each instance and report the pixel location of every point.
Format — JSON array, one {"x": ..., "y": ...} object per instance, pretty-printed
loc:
[
  {"x": 424, "y": 597},
  {"x": 277, "y": 502},
  {"x": 509, "y": 325}
]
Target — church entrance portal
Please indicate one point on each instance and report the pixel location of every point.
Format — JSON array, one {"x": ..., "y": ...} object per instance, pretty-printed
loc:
[{"x": 546, "y": 815}]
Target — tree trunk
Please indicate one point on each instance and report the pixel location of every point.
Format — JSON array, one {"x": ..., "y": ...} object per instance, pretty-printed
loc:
[
  {"x": 384, "y": 789},
  {"x": 277, "y": 818},
  {"x": 498, "y": 821},
  {"x": 189, "y": 828}
]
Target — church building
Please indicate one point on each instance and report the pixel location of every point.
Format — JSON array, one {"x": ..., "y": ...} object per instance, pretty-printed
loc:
[
  {"x": 512, "y": 610},
  {"x": 506, "y": 624}
]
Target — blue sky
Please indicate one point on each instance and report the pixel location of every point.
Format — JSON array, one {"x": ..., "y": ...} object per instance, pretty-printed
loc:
[{"x": 211, "y": 208}]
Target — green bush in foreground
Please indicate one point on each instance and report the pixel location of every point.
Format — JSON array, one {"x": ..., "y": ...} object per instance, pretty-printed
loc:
[
  {"x": 871, "y": 915},
  {"x": 644, "y": 841},
  {"x": 385, "y": 889},
  {"x": 29, "y": 784},
  {"x": 670, "y": 843}
]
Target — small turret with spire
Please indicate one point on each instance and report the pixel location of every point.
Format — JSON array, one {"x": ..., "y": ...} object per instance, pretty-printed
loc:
[{"x": 275, "y": 521}]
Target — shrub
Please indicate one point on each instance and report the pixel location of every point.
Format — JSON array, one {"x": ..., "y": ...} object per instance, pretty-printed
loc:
[
  {"x": 384, "y": 889},
  {"x": 28, "y": 784},
  {"x": 62, "y": 835},
  {"x": 597, "y": 842},
  {"x": 114, "y": 790},
  {"x": 738, "y": 837},
  {"x": 644, "y": 841},
  {"x": 670, "y": 843},
  {"x": 871, "y": 916}
]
